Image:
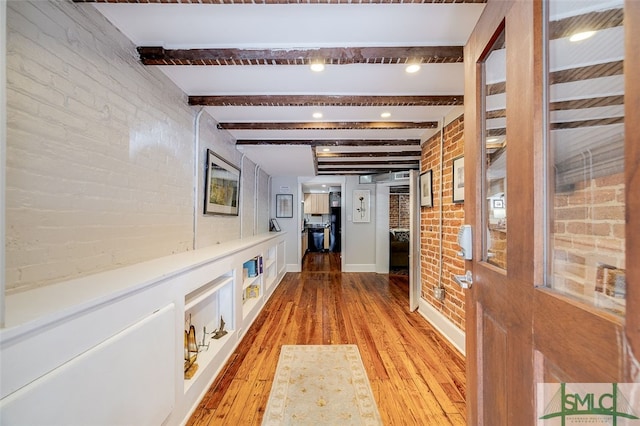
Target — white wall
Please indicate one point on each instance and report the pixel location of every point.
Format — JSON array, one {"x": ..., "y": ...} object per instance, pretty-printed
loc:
[
  {"x": 100, "y": 153},
  {"x": 291, "y": 225},
  {"x": 360, "y": 238},
  {"x": 382, "y": 229}
]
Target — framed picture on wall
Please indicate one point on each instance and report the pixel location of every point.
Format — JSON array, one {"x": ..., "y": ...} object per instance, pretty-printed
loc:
[
  {"x": 222, "y": 186},
  {"x": 284, "y": 205},
  {"x": 361, "y": 205},
  {"x": 426, "y": 194},
  {"x": 458, "y": 180}
]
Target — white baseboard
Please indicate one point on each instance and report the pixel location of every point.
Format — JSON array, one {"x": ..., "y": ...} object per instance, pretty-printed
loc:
[
  {"x": 294, "y": 267},
  {"x": 441, "y": 323},
  {"x": 365, "y": 267}
]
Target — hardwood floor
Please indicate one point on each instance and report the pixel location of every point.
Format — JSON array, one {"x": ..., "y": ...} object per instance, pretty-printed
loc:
[{"x": 417, "y": 377}]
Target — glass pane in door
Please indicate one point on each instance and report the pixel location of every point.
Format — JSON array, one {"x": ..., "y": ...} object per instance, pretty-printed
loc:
[
  {"x": 586, "y": 151},
  {"x": 495, "y": 153}
]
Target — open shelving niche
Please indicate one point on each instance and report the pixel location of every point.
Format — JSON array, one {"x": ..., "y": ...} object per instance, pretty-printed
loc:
[
  {"x": 203, "y": 308},
  {"x": 235, "y": 288},
  {"x": 252, "y": 285},
  {"x": 270, "y": 270}
]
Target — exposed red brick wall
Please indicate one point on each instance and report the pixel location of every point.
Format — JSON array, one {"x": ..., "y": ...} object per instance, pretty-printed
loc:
[
  {"x": 589, "y": 236},
  {"x": 452, "y": 218},
  {"x": 399, "y": 211},
  {"x": 498, "y": 248}
]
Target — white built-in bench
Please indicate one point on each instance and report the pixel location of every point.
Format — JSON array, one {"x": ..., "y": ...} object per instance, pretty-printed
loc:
[{"x": 108, "y": 348}]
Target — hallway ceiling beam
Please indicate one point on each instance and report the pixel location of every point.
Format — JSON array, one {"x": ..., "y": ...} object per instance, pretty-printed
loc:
[
  {"x": 326, "y": 100},
  {"x": 333, "y": 125},
  {"x": 158, "y": 55}
]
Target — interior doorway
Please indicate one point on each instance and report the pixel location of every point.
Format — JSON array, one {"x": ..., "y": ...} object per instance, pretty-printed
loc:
[
  {"x": 399, "y": 232},
  {"x": 321, "y": 220}
]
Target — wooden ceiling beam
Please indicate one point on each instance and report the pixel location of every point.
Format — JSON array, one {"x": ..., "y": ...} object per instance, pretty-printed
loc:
[
  {"x": 570, "y": 75},
  {"x": 563, "y": 125},
  {"x": 326, "y": 100},
  {"x": 367, "y": 170},
  {"x": 587, "y": 123},
  {"x": 587, "y": 72},
  {"x": 268, "y": 2},
  {"x": 346, "y": 172},
  {"x": 331, "y": 125},
  {"x": 592, "y": 21},
  {"x": 489, "y": 133},
  {"x": 158, "y": 55},
  {"x": 412, "y": 154},
  {"x": 333, "y": 142},
  {"x": 603, "y": 101},
  {"x": 366, "y": 162},
  {"x": 573, "y": 104}
]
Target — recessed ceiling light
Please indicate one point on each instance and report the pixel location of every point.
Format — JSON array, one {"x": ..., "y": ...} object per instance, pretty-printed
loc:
[
  {"x": 385, "y": 115},
  {"x": 326, "y": 150},
  {"x": 581, "y": 36},
  {"x": 317, "y": 67},
  {"x": 317, "y": 115},
  {"x": 412, "y": 68},
  {"x": 491, "y": 140}
]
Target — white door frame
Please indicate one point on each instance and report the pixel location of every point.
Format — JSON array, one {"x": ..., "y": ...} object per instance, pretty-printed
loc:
[
  {"x": 414, "y": 241},
  {"x": 332, "y": 181}
]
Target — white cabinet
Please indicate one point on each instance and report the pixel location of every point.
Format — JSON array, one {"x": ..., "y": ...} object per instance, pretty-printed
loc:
[
  {"x": 122, "y": 361},
  {"x": 120, "y": 381}
]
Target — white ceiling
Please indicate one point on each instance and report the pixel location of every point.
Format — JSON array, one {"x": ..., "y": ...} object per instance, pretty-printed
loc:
[
  {"x": 306, "y": 26},
  {"x": 293, "y": 25},
  {"x": 296, "y": 31}
]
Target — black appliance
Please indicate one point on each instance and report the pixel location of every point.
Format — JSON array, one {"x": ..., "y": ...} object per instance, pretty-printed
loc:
[
  {"x": 335, "y": 233},
  {"x": 318, "y": 239}
]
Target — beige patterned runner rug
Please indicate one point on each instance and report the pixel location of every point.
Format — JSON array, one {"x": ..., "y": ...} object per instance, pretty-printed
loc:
[{"x": 321, "y": 385}]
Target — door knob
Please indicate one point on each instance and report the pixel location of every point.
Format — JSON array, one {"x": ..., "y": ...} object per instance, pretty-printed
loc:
[{"x": 464, "y": 281}]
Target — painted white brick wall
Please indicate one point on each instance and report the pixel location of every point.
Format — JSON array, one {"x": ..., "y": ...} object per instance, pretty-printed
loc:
[
  {"x": 100, "y": 152},
  {"x": 215, "y": 229}
]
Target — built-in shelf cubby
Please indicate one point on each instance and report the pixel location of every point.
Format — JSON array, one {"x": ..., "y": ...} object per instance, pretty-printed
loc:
[
  {"x": 206, "y": 308},
  {"x": 252, "y": 291},
  {"x": 270, "y": 269}
]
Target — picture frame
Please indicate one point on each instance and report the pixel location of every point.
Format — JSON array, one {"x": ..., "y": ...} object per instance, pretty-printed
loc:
[
  {"x": 426, "y": 189},
  {"x": 361, "y": 206},
  {"x": 458, "y": 179},
  {"x": 222, "y": 186},
  {"x": 274, "y": 225},
  {"x": 498, "y": 204},
  {"x": 284, "y": 205}
]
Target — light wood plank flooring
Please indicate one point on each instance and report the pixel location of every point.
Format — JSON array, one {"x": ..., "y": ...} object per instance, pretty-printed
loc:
[{"x": 416, "y": 376}]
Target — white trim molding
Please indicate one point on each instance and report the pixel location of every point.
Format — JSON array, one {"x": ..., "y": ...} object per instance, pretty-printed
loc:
[
  {"x": 441, "y": 323},
  {"x": 355, "y": 267},
  {"x": 294, "y": 267}
]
